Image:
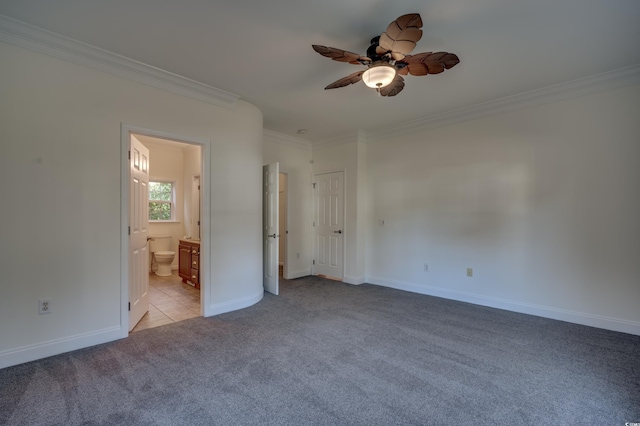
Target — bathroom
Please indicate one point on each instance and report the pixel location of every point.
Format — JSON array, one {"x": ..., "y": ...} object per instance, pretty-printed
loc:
[{"x": 178, "y": 165}]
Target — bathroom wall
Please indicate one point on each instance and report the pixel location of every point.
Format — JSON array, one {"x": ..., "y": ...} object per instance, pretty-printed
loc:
[
  {"x": 166, "y": 163},
  {"x": 192, "y": 166},
  {"x": 179, "y": 163}
]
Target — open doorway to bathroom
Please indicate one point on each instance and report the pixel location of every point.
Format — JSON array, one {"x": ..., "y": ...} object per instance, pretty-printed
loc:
[{"x": 174, "y": 231}]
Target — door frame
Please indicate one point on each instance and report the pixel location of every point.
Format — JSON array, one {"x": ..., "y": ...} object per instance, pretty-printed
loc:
[
  {"x": 205, "y": 146},
  {"x": 344, "y": 218},
  {"x": 284, "y": 233},
  {"x": 197, "y": 191},
  {"x": 268, "y": 284}
]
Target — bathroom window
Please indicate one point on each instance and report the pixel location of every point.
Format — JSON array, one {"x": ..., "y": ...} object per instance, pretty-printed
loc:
[{"x": 161, "y": 201}]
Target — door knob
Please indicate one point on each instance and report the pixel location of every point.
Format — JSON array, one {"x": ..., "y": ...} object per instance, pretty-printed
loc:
[
  {"x": 339, "y": 231},
  {"x": 271, "y": 236}
]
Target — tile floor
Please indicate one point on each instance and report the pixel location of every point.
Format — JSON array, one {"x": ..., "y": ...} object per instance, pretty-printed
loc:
[{"x": 170, "y": 300}]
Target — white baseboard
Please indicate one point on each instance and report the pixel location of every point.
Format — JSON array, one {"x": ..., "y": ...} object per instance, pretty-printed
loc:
[
  {"x": 599, "y": 321},
  {"x": 298, "y": 274},
  {"x": 233, "y": 305},
  {"x": 354, "y": 280},
  {"x": 58, "y": 346},
  {"x": 29, "y": 353}
]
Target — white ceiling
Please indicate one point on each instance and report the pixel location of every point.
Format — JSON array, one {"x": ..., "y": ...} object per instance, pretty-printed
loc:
[{"x": 261, "y": 49}]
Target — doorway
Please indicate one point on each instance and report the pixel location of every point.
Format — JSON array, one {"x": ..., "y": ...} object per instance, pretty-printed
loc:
[
  {"x": 275, "y": 223},
  {"x": 328, "y": 223},
  {"x": 170, "y": 300},
  {"x": 184, "y": 222},
  {"x": 283, "y": 271},
  {"x": 270, "y": 227}
]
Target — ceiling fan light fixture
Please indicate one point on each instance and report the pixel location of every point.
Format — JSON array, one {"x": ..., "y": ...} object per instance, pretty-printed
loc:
[{"x": 379, "y": 76}]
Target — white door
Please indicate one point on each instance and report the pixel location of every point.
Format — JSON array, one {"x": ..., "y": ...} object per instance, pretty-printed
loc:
[
  {"x": 329, "y": 224},
  {"x": 270, "y": 234},
  {"x": 138, "y": 232}
]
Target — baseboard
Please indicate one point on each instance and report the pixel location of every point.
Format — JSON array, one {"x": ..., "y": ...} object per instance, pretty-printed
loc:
[
  {"x": 598, "y": 321},
  {"x": 298, "y": 274},
  {"x": 58, "y": 346},
  {"x": 349, "y": 279},
  {"x": 233, "y": 305}
]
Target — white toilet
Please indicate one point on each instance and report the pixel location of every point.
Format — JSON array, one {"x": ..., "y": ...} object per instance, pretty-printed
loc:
[{"x": 160, "y": 251}]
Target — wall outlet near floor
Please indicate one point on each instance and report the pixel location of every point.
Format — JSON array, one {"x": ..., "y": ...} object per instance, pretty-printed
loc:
[
  {"x": 297, "y": 255},
  {"x": 44, "y": 306},
  {"x": 426, "y": 267},
  {"x": 469, "y": 272}
]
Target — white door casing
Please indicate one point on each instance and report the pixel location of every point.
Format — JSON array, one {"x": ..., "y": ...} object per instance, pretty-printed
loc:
[
  {"x": 196, "y": 201},
  {"x": 329, "y": 224},
  {"x": 270, "y": 232},
  {"x": 138, "y": 232},
  {"x": 282, "y": 224}
]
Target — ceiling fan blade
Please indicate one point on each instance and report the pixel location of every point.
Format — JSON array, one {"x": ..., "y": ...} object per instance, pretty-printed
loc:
[
  {"x": 409, "y": 20},
  {"x": 418, "y": 57},
  {"x": 429, "y": 63},
  {"x": 450, "y": 60},
  {"x": 418, "y": 69},
  {"x": 345, "y": 81},
  {"x": 401, "y": 36},
  {"x": 341, "y": 55},
  {"x": 394, "y": 87}
]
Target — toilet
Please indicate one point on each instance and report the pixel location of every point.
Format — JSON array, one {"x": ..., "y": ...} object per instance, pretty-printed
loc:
[{"x": 160, "y": 251}]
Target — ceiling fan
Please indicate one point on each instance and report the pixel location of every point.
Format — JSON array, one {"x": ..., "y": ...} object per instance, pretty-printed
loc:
[{"x": 388, "y": 58}]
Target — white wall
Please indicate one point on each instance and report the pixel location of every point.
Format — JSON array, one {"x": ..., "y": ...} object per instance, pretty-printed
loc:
[
  {"x": 543, "y": 203},
  {"x": 294, "y": 156},
  {"x": 60, "y": 161}
]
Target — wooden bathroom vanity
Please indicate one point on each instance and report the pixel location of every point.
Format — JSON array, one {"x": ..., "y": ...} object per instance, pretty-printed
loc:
[{"x": 189, "y": 262}]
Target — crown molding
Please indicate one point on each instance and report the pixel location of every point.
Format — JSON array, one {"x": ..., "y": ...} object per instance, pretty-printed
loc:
[
  {"x": 554, "y": 93},
  {"x": 282, "y": 139},
  {"x": 37, "y": 39}
]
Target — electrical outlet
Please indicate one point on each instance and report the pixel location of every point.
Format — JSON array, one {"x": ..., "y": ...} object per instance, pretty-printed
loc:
[
  {"x": 381, "y": 222},
  {"x": 469, "y": 272},
  {"x": 297, "y": 255},
  {"x": 426, "y": 267},
  {"x": 44, "y": 306}
]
